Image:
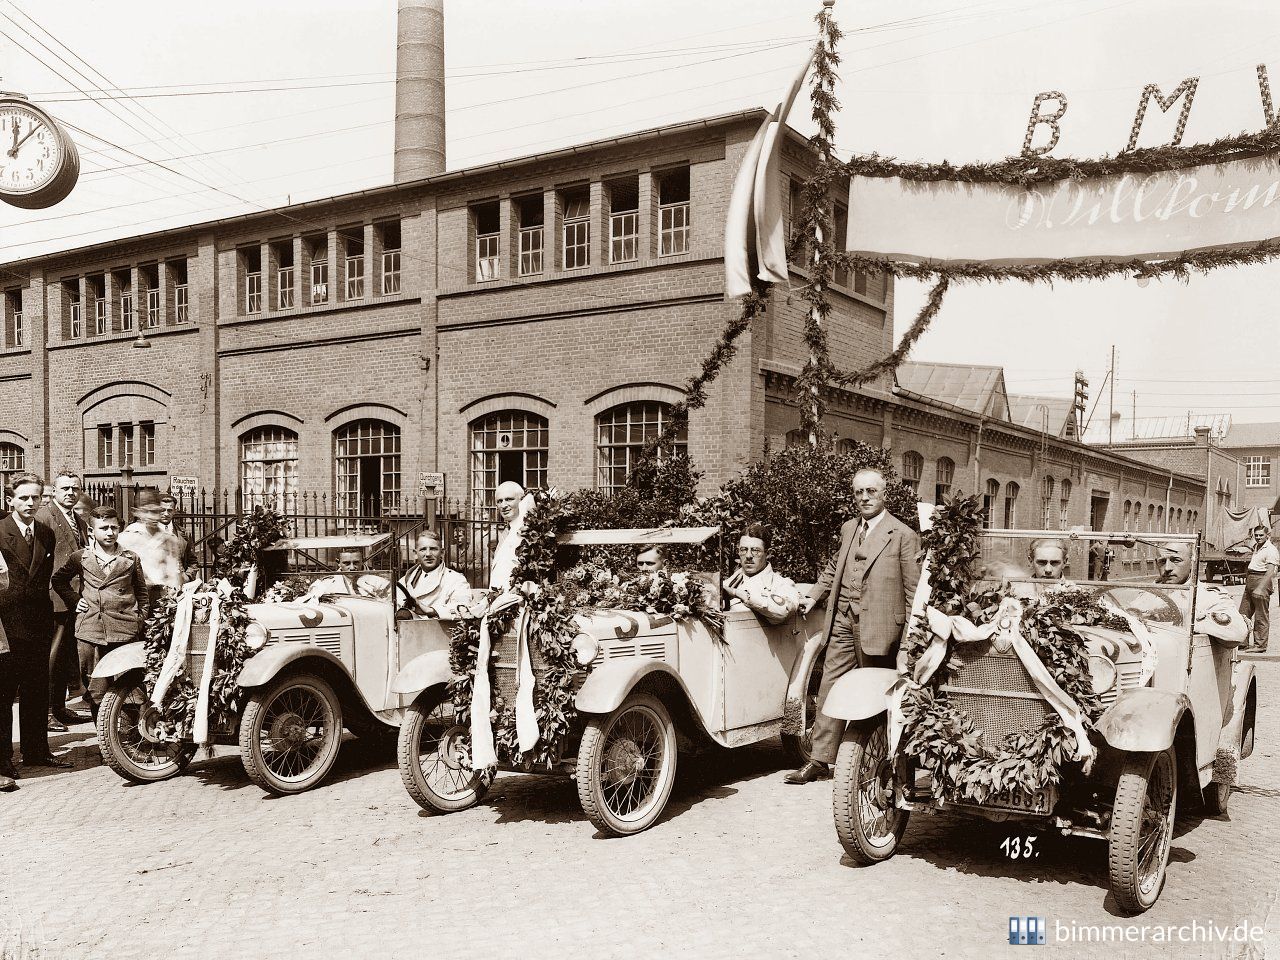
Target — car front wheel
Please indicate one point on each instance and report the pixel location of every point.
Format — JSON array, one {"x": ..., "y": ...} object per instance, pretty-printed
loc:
[
  {"x": 435, "y": 757},
  {"x": 868, "y": 822},
  {"x": 129, "y": 739},
  {"x": 1142, "y": 828},
  {"x": 290, "y": 732},
  {"x": 627, "y": 766}
]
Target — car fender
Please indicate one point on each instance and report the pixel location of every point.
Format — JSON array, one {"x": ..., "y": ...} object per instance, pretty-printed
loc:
[
  {"x": 1243, "y": 680},
  {"x": 860, "y": 693},
  {"x": 609, "y": 684},
  {"x": 131, "y": 656},
  {"x": 1143, "y": 720},
  {"x": 423, "y": 672},
  {"x": 263, "y": 666}
]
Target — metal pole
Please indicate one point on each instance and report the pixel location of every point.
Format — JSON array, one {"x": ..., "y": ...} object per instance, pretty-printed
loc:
[{"x": 1112, "y": 375}]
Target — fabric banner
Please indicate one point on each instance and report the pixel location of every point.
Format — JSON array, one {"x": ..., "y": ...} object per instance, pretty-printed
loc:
[{"x": 1125, "y": 217}]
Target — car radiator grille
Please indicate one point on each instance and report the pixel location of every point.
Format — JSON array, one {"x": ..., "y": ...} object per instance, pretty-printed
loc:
[
  {"x": 506, "y": 672},
  {"x": 197, "y": 644},
  {"x": 1129, "y": 676},
  {"x": 999, "y": 696}
]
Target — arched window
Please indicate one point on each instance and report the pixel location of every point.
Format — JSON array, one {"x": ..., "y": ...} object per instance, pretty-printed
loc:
[
  {"x": 621, "y": 435},
  {"x": 1011, "y": 505},
  {"x": 269, "y": 466},
  {"x": 367, "y": 467},
  {"x": 1046, "y": 503},
  {"x": 1178, "y": 521},
  {"x": 944, "y": 475},
  {"x": 1160, "y": 517},
  {"x": 13, "y": 459},
  {"x": 507, "y": 445},
  {"x": 795, "y": 438},
  {"x": 912, "y": 470},
  {"x": 1151, "y": 517},
  {"x": 1137, "y": 516},
  {"x": 1064, "y": 504},
  {"x": 989, "y": 503}
]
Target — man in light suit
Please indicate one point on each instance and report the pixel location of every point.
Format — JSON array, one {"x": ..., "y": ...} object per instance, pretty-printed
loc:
[
  {"x": 26, "y": 614},
  {"x": 70, "y": 536},
  {"x": 429, "y": 588},
  {"x": 868, "y": 584}
]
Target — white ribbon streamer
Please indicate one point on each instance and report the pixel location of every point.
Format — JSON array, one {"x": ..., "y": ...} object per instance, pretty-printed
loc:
[
  {"x": 526, "y": 717},
  {"x": 200, "y": 729},
  {"x": 177, "y": 655}
]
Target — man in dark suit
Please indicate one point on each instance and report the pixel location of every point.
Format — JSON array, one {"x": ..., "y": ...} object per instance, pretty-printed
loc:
[
  {"x": 26, "y": 613},
  {"x": 869, "y": 585},
  {"x": 70, "y": 535}
]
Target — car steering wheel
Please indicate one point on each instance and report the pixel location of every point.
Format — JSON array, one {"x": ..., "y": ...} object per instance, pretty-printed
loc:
[
  {"x": 1173, "y": 608},
  {"x": 410, "y": 602}
]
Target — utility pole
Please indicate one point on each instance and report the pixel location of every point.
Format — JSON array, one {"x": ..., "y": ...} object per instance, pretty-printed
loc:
[
  {"x": 1133, "y": 421},
  {"x": 1111, "y": 375}
]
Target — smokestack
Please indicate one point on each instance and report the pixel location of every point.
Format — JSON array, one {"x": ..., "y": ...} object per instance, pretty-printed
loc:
[{"x": 419, "y": 89}]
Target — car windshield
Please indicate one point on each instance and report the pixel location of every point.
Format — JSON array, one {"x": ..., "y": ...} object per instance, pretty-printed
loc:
[{"x": 1116, "y": 568}]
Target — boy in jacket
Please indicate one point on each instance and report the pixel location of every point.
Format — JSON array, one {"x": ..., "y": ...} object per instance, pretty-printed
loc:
[{"x": 112, "y": 603}]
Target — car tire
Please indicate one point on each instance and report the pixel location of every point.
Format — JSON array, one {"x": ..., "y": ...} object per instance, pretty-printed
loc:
[
  {"x": 1142, "y": 828},
  {"x": 796, "y": 747},
  {"x": 1215, "y": 798},
  {"x": 279, "y": 751},
  {"x": 627, "y": 766},
  {"x": 124, "y": 716},
  {"x": 447, "y": 783},
  {"x": 870, "y": 826}
]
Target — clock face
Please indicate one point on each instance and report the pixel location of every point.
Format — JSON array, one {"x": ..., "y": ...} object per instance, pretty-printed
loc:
[{"x": 31, "y": 151}]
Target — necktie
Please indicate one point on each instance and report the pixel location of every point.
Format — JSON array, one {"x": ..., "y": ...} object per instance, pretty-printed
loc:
[
  {"x": 29, "y": 536},
  {"x": 862, "y": 533}
]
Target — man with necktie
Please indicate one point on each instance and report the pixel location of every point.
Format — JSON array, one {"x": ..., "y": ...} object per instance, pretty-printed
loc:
[
  {"x": 70, "y": 536},
  {"x": 868, "y": 585},
  {"x": 429, "y": 588},
  {"x": 26, "y": 614}
]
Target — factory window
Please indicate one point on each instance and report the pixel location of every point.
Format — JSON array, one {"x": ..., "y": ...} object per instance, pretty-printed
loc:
[
  {"x": 1064, "y": 504},
  {"x": 351, "y": 242},
  {"x": 486, "y": 219},
  {"x": 1046, "y": 503},
  {"x": 150, "y": 276},
  {"x": 181, "y": 292},
  {"x": 622, "y": 432},
  {"x": 14, "y": 327},
  {"x": 124, "y": 283},
  {"x": 75, "y": 325},
  {"x": 1011, "y": 491},
  {"x": 989, "y": 499},
  {"x": 96, "y": 287},
  {"x": 367, "y": 468},
  {"x": 389, "y": 237},
  {"x": 912, "y": 470},
  {"x": 529, "y": 212},
  {"x": 624, "y": 219},
  {"x": 1257, "y": 471},
  {"x": 317, "y": 250},
  {"x": 13, "y": 461},
  {"x": 106, "y": 449},
  {"x": 251, "y": 261},
  {"x": 507, "y": 445},
  {"x": 269, "y": 466},
  {"x": 576, "y": 205},
  {"x": 673, "y": 212},
  {"x": 282, "y": 253},
  {"x": 944, "y": 476}
]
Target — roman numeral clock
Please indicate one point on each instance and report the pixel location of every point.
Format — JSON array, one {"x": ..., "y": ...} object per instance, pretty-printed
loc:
[{"x": 38, "y": 160}]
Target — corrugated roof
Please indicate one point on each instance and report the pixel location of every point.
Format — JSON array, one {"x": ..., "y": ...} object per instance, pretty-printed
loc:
[
  {"x": 1028, "y": 411},
  {"x": 1253, "y": 435},
  {"x": 968, "y": 386}
]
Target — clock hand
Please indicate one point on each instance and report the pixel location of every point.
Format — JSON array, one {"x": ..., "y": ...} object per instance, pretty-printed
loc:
[
  {"x": 13, "y": 151},
  {"x": 30, "y": 133}
]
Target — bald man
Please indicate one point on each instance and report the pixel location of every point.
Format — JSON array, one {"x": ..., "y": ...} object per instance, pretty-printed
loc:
[{"x": 501, "y": 547}]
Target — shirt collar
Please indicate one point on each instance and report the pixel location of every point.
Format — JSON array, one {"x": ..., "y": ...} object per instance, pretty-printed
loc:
[
  {"x": 24, "y": 527},
  {"x": 871, "y": 524},
  {"x": 766, "y": 573}
]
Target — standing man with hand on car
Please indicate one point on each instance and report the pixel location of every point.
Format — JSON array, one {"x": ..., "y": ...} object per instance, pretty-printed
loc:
[
  {"x": 1258, "y": 581},
  {"x": 868, "y": 586}
]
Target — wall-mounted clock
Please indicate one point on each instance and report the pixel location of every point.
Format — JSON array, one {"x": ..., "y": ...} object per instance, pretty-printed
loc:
[{"x": 38, "y": 161}]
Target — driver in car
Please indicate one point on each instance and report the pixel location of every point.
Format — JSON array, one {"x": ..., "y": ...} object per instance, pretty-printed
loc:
[
  {"x": 1216, "y": 613},
  {"x": 351, "y": 580},
  {"x": 1048, "y": 557},
  {"x": 755, "y": 585},
  {"x": 430, "y": 589}
]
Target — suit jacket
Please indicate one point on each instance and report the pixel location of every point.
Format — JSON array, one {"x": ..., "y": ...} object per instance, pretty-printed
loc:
[
  {"x": 888, "y": 583},
  {"x": 26, "y": 609},
  {"x": 117, "y": 597},
  {"x": 65, "y": 542}
]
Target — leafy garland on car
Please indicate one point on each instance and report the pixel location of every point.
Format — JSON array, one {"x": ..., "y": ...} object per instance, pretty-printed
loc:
[
  {"x": 254, "y": 532},
  {"x": 938, "y": 733},
  {"x": 551, "y": 605}
]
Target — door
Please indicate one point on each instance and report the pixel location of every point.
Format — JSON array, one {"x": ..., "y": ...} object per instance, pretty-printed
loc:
[
  {"x": 758, "y": 657},
  {"x": 1098, "y": 511}
]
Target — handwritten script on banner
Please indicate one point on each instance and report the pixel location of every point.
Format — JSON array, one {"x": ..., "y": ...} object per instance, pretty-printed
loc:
[{"x": 1127, "y": 217}]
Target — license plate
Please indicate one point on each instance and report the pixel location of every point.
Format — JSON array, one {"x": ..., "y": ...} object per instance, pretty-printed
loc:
[{"x": 1040, "y": 803}]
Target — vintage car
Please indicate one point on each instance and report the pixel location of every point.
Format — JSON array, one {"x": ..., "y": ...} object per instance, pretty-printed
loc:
[
  {"x": 656, "y": 687},
  {"x": 1179, "y": 714},
  {"x": 321, "y": 665}
]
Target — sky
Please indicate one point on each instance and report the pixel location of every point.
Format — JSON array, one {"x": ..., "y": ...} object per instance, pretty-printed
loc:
[{"x": 217, "y": 109}]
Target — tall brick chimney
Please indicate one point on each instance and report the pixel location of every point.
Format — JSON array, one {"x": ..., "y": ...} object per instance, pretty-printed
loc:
[{"x": 419, "y": 89}]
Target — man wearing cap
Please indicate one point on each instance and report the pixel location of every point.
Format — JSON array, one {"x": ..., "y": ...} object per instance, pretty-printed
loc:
[
  {"x": 159, "y": 551},
  {"x": 1258, "y": 581},
  {"x": 1216, "y": 613},
  {"x": 432, "y": 589},
  {"x": 70, "y": 536}
]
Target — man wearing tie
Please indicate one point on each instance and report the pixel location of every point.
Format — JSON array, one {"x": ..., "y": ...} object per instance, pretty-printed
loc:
[
  {"x": 70, "y": 536},
  {"x": 868, "y": 584},
  {"x": 434, "y": 589},
  {"x": 26, "y": 614}
]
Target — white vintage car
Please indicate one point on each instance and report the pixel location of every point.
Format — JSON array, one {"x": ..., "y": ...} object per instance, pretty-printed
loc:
[
  {"x": 655, "y": 687},
  {"x": 320, "y": 666},
  {"x": 1180, "y": 713}
]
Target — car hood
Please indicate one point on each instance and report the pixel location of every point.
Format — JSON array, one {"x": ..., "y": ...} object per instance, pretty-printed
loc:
[{"x": 291, "y": 616}]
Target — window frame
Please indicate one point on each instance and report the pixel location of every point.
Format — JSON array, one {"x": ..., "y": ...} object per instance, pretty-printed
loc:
[
  {"x": 1257, "y": 471},
  {"x": 483, "y": 464},
  {"x": 350, "y": 497},
  {"x": 942, "y": 488},
  {"x": 488, "y": 260},
  {"x": 285, "y": 467},
  {"x": 652, "y": 413}
]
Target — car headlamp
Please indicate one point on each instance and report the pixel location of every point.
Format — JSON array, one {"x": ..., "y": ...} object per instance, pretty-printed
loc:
[
  {"x": 585, "y": 649},
  {"x": 1102, "y": 673},
  {"x": 256, "y": 635}
]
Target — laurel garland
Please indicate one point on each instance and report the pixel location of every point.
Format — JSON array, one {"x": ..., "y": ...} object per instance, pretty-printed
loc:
[
  {"x": 939, "y": 734},
  {"x": 254, "y": 532}
]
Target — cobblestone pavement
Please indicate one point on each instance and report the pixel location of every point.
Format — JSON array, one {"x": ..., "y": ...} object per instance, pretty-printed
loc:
[{"x": 743, "y": 865}]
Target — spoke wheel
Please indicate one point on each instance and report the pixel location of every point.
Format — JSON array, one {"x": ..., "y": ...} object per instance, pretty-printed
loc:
[
  {"x": 290, "y": 733},
  {"x": 798, "y": 747},
  {"x": 627, "y": 766},
  {"x": 1142, "y": 828},
  {"x": 868, "y": 823},
  {"x": 1216, "y": 798},
  {"x": 435, "y": 757},
  {"x": 128, "y": 739}
]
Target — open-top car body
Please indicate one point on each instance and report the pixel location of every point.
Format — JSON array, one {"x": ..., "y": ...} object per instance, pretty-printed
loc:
[
  {"x": 1179, "y": 714},
  {"x": 650, "y": 687},
  {"x": 321, "y": 665}
]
